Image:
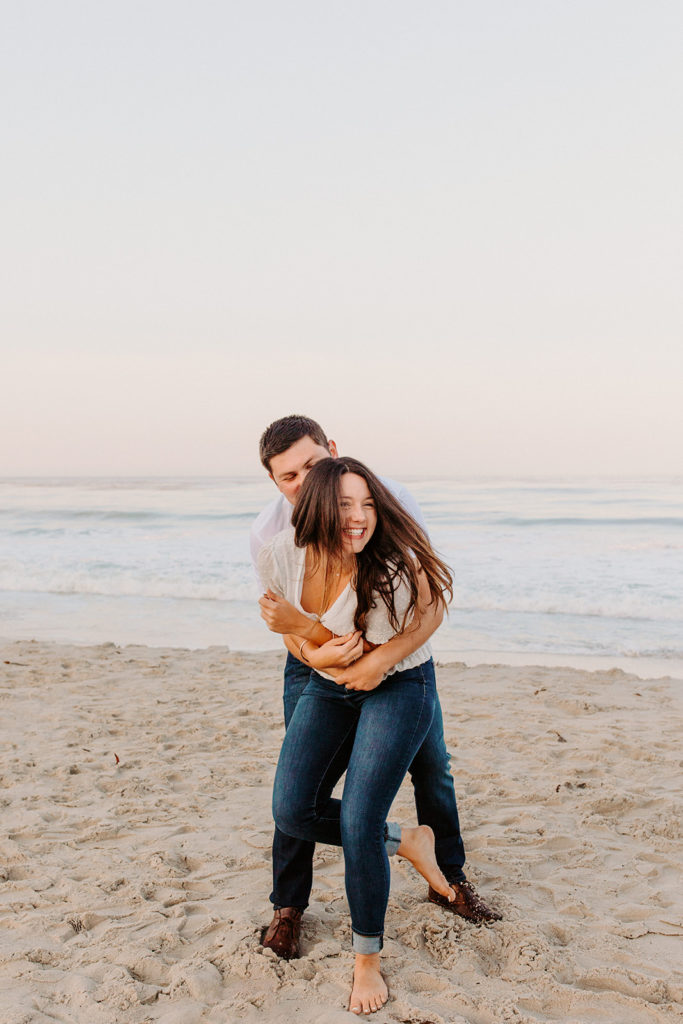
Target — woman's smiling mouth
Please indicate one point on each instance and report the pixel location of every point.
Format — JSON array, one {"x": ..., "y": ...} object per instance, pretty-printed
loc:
[{"x": 355, "y": 531}]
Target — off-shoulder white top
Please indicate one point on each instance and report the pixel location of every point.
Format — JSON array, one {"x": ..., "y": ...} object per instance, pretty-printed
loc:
[{"x": 281, "y": 565}]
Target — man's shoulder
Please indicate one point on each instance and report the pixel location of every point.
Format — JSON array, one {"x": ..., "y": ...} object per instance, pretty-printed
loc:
[
  {"x": 407, "y": 499},
  {"x": 394, "y": 486}
]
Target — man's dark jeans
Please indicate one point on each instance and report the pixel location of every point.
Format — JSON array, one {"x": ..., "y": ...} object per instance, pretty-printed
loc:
[
  {"x": 434, "y": 799},
  {"x": 292, "y": 858}
]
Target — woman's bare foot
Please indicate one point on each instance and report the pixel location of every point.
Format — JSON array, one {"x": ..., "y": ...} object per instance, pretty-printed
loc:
[
  {"x": 369, "y": 992},
  {"x": 417, "y": 846}
]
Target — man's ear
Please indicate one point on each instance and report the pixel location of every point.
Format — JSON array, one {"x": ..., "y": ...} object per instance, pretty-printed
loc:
[
  {"x": 332, "y": 448},
  {"x": 272, "y": 478}
]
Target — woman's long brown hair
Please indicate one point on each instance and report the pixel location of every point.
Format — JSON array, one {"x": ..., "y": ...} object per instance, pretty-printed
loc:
[{"x": 397, "y": 550}]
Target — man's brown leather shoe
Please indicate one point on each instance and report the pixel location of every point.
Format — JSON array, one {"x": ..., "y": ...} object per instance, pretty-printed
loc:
[
  {"x": 283, "y": 934},
  {"x": 467, "y": 903}
]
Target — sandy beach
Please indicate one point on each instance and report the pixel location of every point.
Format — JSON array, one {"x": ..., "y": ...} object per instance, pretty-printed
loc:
[{"x": 136, "y": 829}]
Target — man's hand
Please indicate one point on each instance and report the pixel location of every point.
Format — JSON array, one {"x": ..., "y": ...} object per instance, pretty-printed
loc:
[
  {"x": 282, "y": 617},
  {"x": 337, "y": 653},
  {"x": 365, "y": 674}
]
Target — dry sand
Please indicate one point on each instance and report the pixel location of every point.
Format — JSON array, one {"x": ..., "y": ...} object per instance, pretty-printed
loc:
[{"x": 135, "y": 848}]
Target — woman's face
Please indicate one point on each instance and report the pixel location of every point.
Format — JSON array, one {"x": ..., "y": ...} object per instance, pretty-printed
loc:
[{"x": 358, "y": 513}]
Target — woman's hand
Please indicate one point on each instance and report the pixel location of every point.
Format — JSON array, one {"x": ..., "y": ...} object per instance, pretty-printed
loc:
[
  {"x": 339, "y": 652},
  {"x": 282, "y": 617}
]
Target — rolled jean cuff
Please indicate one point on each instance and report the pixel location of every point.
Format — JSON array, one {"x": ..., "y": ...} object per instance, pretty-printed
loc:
[
  {"x": 366, "y": 943},
  {"x": 392, "y": 837}
]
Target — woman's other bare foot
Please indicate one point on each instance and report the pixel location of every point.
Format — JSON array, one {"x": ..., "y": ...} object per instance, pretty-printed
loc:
[
  {"x": 417, "y": 846},
  {"x": 369, "y": 992}
]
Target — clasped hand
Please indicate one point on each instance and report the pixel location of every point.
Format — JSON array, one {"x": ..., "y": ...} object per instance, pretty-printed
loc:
[
  {"x": 341, "y": 657},
  {"x": 280, "y": 616},
  {"x": 337, "y": 654},
  {"x": 364, "y": 674}
]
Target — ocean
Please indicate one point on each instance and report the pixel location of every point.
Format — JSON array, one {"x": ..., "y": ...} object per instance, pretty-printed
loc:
[{"x": 571, "y": 571}]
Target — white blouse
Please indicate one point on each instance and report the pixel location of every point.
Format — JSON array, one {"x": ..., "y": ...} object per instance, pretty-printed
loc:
[{"x": 281, "y": 566}]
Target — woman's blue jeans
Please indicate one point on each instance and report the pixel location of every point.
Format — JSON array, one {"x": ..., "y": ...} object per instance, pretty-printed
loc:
[{"x": 378, "y": 732}]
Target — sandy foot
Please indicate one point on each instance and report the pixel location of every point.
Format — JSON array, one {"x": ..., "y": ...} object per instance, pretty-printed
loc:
[
  {"x": 369, "y": 991},
  {"x": 417, "y": 846}
]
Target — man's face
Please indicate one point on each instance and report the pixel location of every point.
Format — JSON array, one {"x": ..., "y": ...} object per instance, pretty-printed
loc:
[{"x": 289, "y": 469}]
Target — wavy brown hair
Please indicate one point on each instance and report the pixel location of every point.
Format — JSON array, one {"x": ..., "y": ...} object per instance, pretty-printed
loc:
[{"x": 397, "y": 550}]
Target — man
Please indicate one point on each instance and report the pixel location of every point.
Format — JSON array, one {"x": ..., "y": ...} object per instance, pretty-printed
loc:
[{"x": 289, "y": 447}]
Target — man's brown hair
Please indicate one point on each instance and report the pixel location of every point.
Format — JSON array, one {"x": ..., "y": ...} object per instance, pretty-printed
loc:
[{"x": 282, "y": 434}]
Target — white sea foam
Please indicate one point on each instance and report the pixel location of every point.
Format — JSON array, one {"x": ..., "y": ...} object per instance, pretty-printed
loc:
[
  {"x": 126, "y": 584},
  {"x": 584, "y": 567}
]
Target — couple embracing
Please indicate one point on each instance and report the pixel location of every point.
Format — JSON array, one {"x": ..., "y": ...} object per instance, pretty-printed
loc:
[{"x": 353, "y": 585}]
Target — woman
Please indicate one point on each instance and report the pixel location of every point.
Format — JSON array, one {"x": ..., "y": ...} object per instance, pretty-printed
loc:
[{"x": 358, "y": 563}]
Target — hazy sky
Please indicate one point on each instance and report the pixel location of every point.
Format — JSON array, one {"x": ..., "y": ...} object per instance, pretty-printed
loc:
[{"x": 451, "y": 231}]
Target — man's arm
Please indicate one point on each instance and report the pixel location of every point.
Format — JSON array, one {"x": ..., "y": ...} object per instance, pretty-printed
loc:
[
  {"x": 330, "y": 657},
  {"x": 307, "y": 639}
]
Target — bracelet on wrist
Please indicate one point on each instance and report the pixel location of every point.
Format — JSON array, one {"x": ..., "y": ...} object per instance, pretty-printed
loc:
[{"x": 302, "y": 656}]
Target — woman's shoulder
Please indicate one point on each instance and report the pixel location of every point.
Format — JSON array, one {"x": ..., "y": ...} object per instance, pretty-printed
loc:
[
  {"x": 284, "y": 540},
  {"x": 279, "y": 562},
  {"x": 279, "y": 549},
  {"x": 397, "y": 574},
  {"x": 379, "y": 627}
]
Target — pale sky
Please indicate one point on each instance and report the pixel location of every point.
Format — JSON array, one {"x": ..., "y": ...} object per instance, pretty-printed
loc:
[{"x": 450, "y": 231}]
